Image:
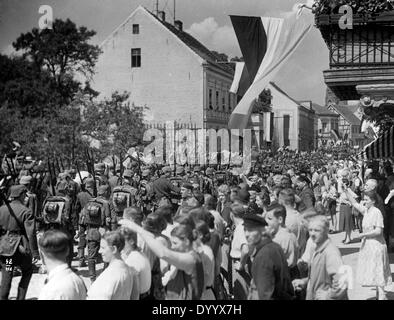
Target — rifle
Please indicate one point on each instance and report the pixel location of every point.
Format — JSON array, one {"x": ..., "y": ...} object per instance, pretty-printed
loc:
[
  {"x": 51, "y": 177},
  {"x": 80, "y": 177},
  {"x": 90, "y": 164},
  {"x": 121, "y": 169}
]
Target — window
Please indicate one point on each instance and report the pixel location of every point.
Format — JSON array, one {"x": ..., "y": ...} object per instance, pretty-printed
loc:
[
  {"x": 217, "y": 100},
  {"x": 229, "y": 102},
  {"x": 136, "y": 29},
  {"x": 135, "y": 58},
  {"x": 324, "y": 125},
  {"x": 210, "y": 99},
  {"x": 224, "y": 102}
]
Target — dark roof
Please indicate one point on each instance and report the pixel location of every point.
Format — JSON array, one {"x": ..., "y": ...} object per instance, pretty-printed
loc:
[
  {"x": 348, "y": 114},
  {"x": 320, "y": 110},
  {"x": 196, "y": 46}
]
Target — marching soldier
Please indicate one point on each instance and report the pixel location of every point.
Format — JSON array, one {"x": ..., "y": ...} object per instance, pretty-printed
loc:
[
  {"x": 17, "y": 226},
  {"x": 101, "y": 175},
  {"x": 83, "y": 198},
  {"x": 94, "y": 215},
  {"x": 163, "y": 190}
]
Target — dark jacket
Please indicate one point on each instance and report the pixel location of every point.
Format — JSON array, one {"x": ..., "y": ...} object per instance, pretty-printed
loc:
[
  {"x": 163, "y": 187},
  {"x": 270, "y": 273},
  {"x": 25, "y": 218}
]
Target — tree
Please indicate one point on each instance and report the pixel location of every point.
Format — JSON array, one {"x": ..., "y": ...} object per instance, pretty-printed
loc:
[
  {"x": 114, "y": 123},
  {"x": 63, "y": 52}
]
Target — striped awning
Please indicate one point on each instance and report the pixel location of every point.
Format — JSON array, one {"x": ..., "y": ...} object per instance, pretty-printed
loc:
[{"x": 381, "y": 148}]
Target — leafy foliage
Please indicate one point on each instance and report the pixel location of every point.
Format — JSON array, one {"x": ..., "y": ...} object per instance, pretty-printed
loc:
[
  {"x": 62, "y": 52},
  {"x": 358, "y": 6},
  {"x": 114, "y": 123}
]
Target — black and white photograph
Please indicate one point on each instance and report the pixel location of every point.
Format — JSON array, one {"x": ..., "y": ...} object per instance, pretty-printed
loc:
[{"x": 218, "y": 150}]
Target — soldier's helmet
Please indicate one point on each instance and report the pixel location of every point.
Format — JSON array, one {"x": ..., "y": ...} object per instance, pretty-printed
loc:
[
  {"x": 180, "y": 171},
  {"x": 210, "y": 171},
  {"x": 99, "y": 168}
]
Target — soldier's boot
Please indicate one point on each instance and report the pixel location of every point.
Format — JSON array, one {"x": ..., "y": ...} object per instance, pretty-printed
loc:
[
  {"x": 21, "y": 294},
  {"x": 81, "y": 258},
  {"x": 92, "y": 270}
]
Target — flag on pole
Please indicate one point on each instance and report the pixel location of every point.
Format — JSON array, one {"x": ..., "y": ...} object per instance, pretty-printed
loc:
[{"x": 266, "y": 43}]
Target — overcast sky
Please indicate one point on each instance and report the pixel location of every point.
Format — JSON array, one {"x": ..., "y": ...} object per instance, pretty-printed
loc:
[{"x": 207, "y": 20}]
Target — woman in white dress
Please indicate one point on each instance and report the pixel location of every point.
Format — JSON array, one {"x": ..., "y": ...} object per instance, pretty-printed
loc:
[{"x": 373, "y": 268}]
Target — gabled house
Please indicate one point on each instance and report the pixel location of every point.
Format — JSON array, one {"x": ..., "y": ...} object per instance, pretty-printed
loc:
[
  {"x": 167, "y": 70},
  {"x": 293, "y": 122},
  {"x": 349, "y": 126},
  {"x": 327, "y": 121}
]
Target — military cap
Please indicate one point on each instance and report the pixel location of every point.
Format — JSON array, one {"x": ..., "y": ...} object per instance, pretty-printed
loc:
[
  {"x": 180, "y": 170},
  {"x": 17, "y": 190},
  {"x": 187, "y": 185},
  {"x": 99, "y": 167},
  {"x": 102, "y": 190},
  {"x": 25, "y": 180},
  {"x": 253, "y": 220},
  {"x": 166, "y": 169},
  {"x": 197, "y": 169},
  {"x": 89, "y": 183},
  {"x": 128, "y": 174},
  {"x": 16, "y": 144},
  {"x": 145, "y": 172},
  {"x": 62, "y": 186}
]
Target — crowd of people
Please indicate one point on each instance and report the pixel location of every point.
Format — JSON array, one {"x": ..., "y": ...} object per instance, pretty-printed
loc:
[{"x": 198, "y": 232}]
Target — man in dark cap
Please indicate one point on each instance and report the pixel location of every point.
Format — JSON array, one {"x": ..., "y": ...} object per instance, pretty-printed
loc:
[
  {"x": 18, "y": 221},
  {"x": 270, "y": 274}
]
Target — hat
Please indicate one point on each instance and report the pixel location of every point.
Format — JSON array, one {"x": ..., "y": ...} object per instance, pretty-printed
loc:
[
  {"x": 25, "y": 180},
  {"x": 102, "y": 190},
  {"x": 197, "y": 169},
  {"x": 72, "y": 171},
  {"x": 62, "y": 186},
  {"x": 187, "y": 185},
  {"x": 89, "y": 183},
  {"x": 16, "y": 191},
  {"x": 99, "y": 167},
  {"x": 16, "y": 144},
  {"x": 128, "y": 173},
  {"x": 209, "y": 171},
  {"x": 145, "y": 172},
  {"x": 166, "y": 169},
  {"x": 180, "y": 170},
  {"x": 28, "y": 159},
  {"x": 253, "y": 220}
]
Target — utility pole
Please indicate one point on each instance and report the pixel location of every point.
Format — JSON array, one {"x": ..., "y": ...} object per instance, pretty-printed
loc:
[{"x": 157, "y": 7}]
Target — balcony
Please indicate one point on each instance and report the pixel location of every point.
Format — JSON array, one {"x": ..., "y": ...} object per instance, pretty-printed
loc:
[{"x": 363, "y": 55}]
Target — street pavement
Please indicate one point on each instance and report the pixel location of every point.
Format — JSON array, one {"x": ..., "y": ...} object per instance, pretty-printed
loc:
[{"x": 349, "y": 254}]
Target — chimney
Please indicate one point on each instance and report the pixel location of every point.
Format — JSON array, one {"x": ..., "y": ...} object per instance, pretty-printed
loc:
[
  {"x": 178, "y": 25},
  {"x": 162, "y": 15}
]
